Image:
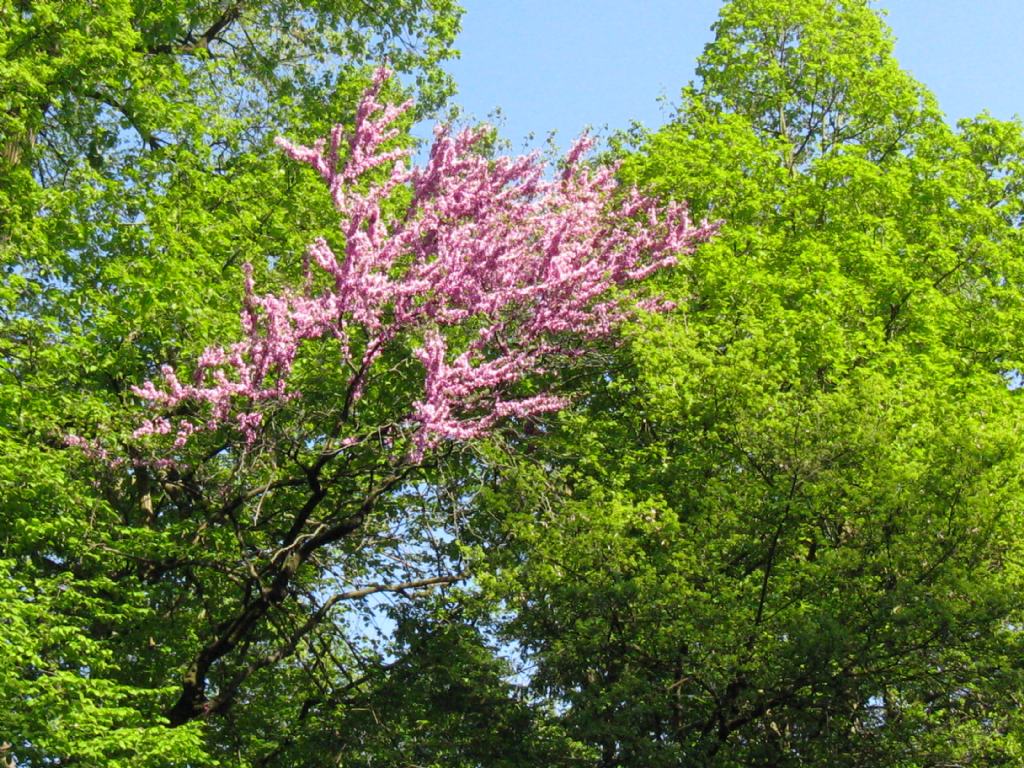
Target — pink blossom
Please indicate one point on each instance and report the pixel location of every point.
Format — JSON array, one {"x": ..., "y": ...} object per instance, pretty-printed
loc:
[
  {"x": 528, "y": 260},
  {"x": 91, "y": 448}
]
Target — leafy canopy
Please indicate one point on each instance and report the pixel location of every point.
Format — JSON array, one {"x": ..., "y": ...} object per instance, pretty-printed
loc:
[
  {"x": 785, "y": 529},
  {"x": 217, "y": 556}
]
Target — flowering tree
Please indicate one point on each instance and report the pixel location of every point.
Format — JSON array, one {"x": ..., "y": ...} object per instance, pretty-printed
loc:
[
  {"x": 453, "y": 291},
  {"x": 489, "y": 245}
]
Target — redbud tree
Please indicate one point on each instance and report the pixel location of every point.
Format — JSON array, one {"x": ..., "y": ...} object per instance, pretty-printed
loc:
[{"x": 442, "y": 310}]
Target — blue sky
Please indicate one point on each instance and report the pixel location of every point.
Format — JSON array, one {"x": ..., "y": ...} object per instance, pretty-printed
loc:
[{"x": 563, "y": 65}]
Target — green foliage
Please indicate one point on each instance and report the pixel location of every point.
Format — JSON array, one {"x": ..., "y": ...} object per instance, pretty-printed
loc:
[
  {"x": 136, "y": 175},
  {"x": 60, "y": 681},
  {"x": 784, "y": 529}
]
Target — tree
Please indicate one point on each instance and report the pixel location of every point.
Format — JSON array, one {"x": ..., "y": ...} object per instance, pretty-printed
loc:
[
  {"x": 136, "y": 172},
  {"x": 785, "y": 529},
  {"x": 289, "y": 477}
]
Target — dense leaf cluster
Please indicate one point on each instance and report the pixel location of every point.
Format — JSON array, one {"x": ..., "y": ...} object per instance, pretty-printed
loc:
[{"x": 787, "y": 527}]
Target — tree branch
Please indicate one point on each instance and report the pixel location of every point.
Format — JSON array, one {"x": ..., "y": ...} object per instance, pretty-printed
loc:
[
  {"x": 192, "y": 44},
  {"x": 226, "y": 698}
]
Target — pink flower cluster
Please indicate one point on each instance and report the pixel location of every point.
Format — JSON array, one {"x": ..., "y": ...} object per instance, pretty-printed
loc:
[{"x": 528, "y": 261}]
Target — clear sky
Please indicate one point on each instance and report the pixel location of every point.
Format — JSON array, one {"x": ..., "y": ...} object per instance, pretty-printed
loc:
[{"x": 563, "y": 65}]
